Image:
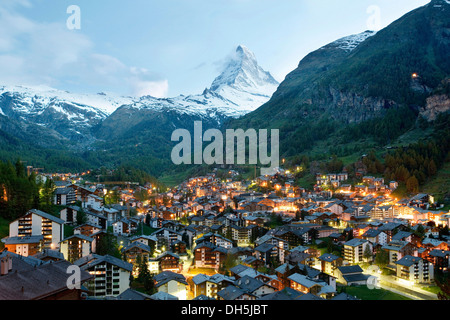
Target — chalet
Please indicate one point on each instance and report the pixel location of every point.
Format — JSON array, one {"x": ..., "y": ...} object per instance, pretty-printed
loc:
[
  {"x": 87, "y": 229},
  {"x": 306, "y": 285},
  {"x": 440, "y": 259},
  {"x": 135, "y": 249},
  {"x": 269, "y": 253},
  {"x": 391, "y": 228},
  {"x": 234, "y": 293},
  {"x": 167, "y": 237},
  {"x": 296, "y": 257},
  {"x": 169, "y": 261},
  {"x": 430, "y": 244},
  {"x": 122, "y": 227},
  {"x": 179, "y": 247},
  {"x": 253, "y": 286},
  {"x": 207, "y": 255},
  {"x": 49, "y": 255},
  {"x": 97, "y": 219},
  {"x": 375, "y": 237},
  {"x": 217, "y": 240},
  {"x": 93, "y": 202},
  {"x": 172, "y": 283},
  {"x": 82, "y": 193},
  {"x": 209, "y": 286}
]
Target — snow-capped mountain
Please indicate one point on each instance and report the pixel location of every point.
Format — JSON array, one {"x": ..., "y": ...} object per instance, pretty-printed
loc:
[
  {"x": 244, "y": 82},
  {"x": 242, "y": 87},
  {"x": 351, "y": 42}
]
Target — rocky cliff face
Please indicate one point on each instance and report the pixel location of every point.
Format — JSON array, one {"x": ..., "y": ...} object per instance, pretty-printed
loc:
[
  {"x": 436, "y": 104},
  {"x": 350, "y": 107}
]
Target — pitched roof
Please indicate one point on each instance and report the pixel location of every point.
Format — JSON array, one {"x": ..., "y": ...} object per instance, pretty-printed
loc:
[
  {"x": 46, "y": 216},
  {"x": 167, "y": 276},
  {"x": 328, "y": 257},
  {"x": 92, "y": 260},
  {"x": 408, "y": 261},
  {"x": 350, "y": 269},
  {"x": 248, "y": 284},
  {"x": 304, "y": 280},
  {"x": 35, "y": 281},
  {"x": 230, "y": 293},
  {"x": 284, "y": 295},
  {"x": 22, "y": 240},
  {"x": 355, "y": 242}
]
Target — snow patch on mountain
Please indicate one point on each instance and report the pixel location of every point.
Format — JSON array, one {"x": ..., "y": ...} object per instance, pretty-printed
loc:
[
  {"x": 350, "y": 43},
  {"x": 41, "y": 97}
]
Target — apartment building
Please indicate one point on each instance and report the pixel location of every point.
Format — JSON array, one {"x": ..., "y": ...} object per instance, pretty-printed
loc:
[
  {"x": 39, "y": 223},
  {"x": 415, "y": 270},
  {"x": 111, "y": 275}
]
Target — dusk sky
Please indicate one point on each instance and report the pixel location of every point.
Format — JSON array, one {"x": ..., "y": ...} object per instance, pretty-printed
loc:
[{"x": 170, "y": 47}]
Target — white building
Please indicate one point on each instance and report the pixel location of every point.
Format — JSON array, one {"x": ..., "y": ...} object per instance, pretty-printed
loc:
[
  {"x": 172, "y": 283},
  {"x": 39, "y": 223},
  {"x": 76, "y": 247},
  {"x": 354, "y": 250},
  {"x": 415, "y": 270},
  {"x": 111, "y": 275}
]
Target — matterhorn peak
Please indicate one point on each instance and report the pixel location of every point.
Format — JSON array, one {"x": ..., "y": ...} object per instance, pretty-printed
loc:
[
  {"x": 244, "y": 53},
  {"x": 243, "y": 74}
]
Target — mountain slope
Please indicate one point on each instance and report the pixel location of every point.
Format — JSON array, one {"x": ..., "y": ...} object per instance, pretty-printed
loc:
[
  {"x": 379, "y": 84},
  {"x": 106, "y": 128}
]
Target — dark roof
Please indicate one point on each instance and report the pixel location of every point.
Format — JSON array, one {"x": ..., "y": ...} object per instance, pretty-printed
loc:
[
  {"x": 439, "y": 253},
  {"x": 138, "y": 245},
  {"x": 408, "y": 261},
  {"x": 230, "y": 293},
  {"x": 202, "y": 297},
  {"x": 167, "y": 276},
  {"x": 239, "y": 269},
  {"x": 92, "y": 260},
  {"x": 23, "y": 240},
  {"x": 248, "y": 284},
  {"x": 134, "y": 295},
  {"x": 350, "y": 269},
  {"x": 46, "y": 216},
  {"x": 35, "y": 281},
  {"x": 328, "y": 257},
  {"x": 64, "y": 191},
  {"x": 47, "y": 253},
  {"x": 356, "y": 277},
  {"x": 265, "y": 247},
  {"x": 79, "y": 236},
  {"x": 283, "y": 295}
]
